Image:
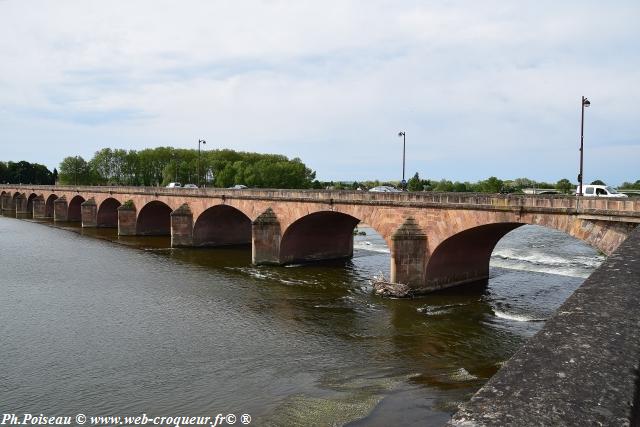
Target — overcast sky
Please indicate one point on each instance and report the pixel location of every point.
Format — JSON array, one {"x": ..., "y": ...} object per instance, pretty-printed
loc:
[{"x": 481, "y": 88}]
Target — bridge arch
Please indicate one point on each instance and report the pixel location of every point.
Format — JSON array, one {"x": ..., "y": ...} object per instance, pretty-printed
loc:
[
  {"x": 318, "y": 236},
  {"x": 30, "y": 202},
  {"x": 74, "y": 210},
  {"x": 49, "y": 205},
  {"x": 222, "y": 225},
  {"x": 465, "y": 256},
  {"x": 154, "y": 219},
  {"x": 107, "y": 216}
]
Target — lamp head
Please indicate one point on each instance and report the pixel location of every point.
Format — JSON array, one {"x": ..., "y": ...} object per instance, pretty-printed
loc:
[
  {"x": 586, "y": 102},
  {"x": 400, "y": 133}
]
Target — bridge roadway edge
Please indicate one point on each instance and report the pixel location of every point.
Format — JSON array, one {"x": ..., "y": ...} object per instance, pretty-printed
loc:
[{"x": 582, "y": 367}]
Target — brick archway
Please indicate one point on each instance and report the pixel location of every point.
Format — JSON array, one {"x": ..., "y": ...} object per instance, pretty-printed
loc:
[
  {"x": 74, "y": 211},
  {"x": 319, "y": 235},
  {"x": 30, "y": 202},
  {"x": 107, "y": 216},
  {"x": 154, "y": 219},
  {"x": 49, "y": 205},
  {"x": 465, "y": 256},
  {"x": 222, "y": 225}
]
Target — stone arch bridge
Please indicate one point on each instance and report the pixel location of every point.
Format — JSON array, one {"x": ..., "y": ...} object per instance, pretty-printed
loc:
[{"x": 436, "y": 240}]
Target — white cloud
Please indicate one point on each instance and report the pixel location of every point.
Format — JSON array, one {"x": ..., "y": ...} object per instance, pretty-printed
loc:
[{"x": 481, "y": 88}]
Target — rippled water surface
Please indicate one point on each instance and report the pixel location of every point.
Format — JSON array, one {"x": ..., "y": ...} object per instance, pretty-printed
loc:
[{"x": 98, "y": 327}]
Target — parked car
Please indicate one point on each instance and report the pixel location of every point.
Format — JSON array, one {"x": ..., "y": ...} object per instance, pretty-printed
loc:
[
  {"x": 599, "y": 191},
  {"x": 238, "y": 187},
  {"x": 190, "y": 186},
  {"x": 385, "y": 189},
  {"x": 174, "y": 185}
]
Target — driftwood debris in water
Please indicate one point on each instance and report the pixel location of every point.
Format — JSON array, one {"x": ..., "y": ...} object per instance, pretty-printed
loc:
[{"x": 388, "y": 289}]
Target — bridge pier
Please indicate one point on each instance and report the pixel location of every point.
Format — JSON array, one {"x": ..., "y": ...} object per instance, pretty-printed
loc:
[
  {"x": 22, "y": 210},
  {"x": 39, "y": 207},
  {"x": 60, "y": 209},
  {"x": 409, "y": 255},
  {"x": 265, "y": 239},
  {"x": 89, "y": 213},
  {"x": 8, "y": 207},
  {"x": 127, "y": 214},
  {"x": 182, "y": 227}
]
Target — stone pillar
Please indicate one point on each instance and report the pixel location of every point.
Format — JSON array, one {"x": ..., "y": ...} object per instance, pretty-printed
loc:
[
  {"x": 39, "y": 207},
  {"x": 21, "y": 203},
  {"x": 182, "y": 227},
  {"x": 89, "y": 213},
  {"x": 127, "y": 214},
  {"x": 265, "y": 239},
  {"x": 9, "y": 207},
  {"x": 60, "y": 209},
  {"x": 409, "y": 255}
]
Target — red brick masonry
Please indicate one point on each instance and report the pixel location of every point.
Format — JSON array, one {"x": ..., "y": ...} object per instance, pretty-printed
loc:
[{"x": 436, "y": 240}]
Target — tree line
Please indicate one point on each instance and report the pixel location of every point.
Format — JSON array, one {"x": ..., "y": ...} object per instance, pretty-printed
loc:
[
  {"x": 159, "y": 166},
  {"x": 23, "y": 172},
  {"x": 225, "y": 168}
]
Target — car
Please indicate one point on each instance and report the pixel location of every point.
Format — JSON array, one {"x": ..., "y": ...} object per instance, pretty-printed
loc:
[
  {"x": 238, "y": 187},
  {"x": 190, "y": 186},
  {"x": 592, "y": 190},
  {"x": 174, "y": 185},
  {"x": 385, "y": 189}
]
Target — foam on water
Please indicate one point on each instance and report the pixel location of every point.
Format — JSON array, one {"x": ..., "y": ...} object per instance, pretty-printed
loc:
[
  {"x": 462, "y": 374},
  {"x": 372, "y": 247},
  {"x": 516, "y": 317}
]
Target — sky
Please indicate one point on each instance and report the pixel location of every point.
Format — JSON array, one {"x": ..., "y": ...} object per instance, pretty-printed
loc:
[{"x": 481, "y": 88}]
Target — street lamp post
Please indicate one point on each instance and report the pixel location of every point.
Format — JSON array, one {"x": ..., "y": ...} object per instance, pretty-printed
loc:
[
  {"x": 585, "y": 103},
  {"x": 404, "y": 144},
  {"x": 204, "y": 142}
]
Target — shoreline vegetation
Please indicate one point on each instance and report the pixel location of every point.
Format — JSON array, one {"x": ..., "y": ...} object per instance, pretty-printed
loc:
[{"x": 225, "y": 168}]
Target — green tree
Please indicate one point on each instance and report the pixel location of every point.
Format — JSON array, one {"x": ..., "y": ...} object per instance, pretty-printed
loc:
[
  {"x": 444, "y": 185},
  {"x": 4, "y": 173},
  {"x": 75, "y": 170},
  {"x": 631, "y": 185},
  {"x": 491, "y": 185},
  {"x": 414, "y": 183},
  {"x": 564, "y": 186},
  {"x": 598, "y": 182}
]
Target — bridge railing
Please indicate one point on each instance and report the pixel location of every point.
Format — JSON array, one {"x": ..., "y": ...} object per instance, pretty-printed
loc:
[{"x": 496, "y": 201}]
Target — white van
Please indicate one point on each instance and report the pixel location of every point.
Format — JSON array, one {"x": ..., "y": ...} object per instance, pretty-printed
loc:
[
  {"x": 174, "y": 185},
  {"x": 599, "y": 191}
]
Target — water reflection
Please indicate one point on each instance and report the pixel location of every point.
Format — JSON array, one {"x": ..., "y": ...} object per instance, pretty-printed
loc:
[{"x": 298, "y": 345}]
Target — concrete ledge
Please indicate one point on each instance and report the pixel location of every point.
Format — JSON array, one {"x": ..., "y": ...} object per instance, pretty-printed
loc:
[{"x": 582, "y": 367}]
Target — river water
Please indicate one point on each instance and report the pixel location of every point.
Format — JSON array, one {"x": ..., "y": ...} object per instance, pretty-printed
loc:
[{"x": 125, "y": 326}]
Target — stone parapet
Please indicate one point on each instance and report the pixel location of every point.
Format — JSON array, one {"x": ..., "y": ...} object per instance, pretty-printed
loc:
[
  {"x": 479, "y": 201},
  {"x": 582, "y": 367}
]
